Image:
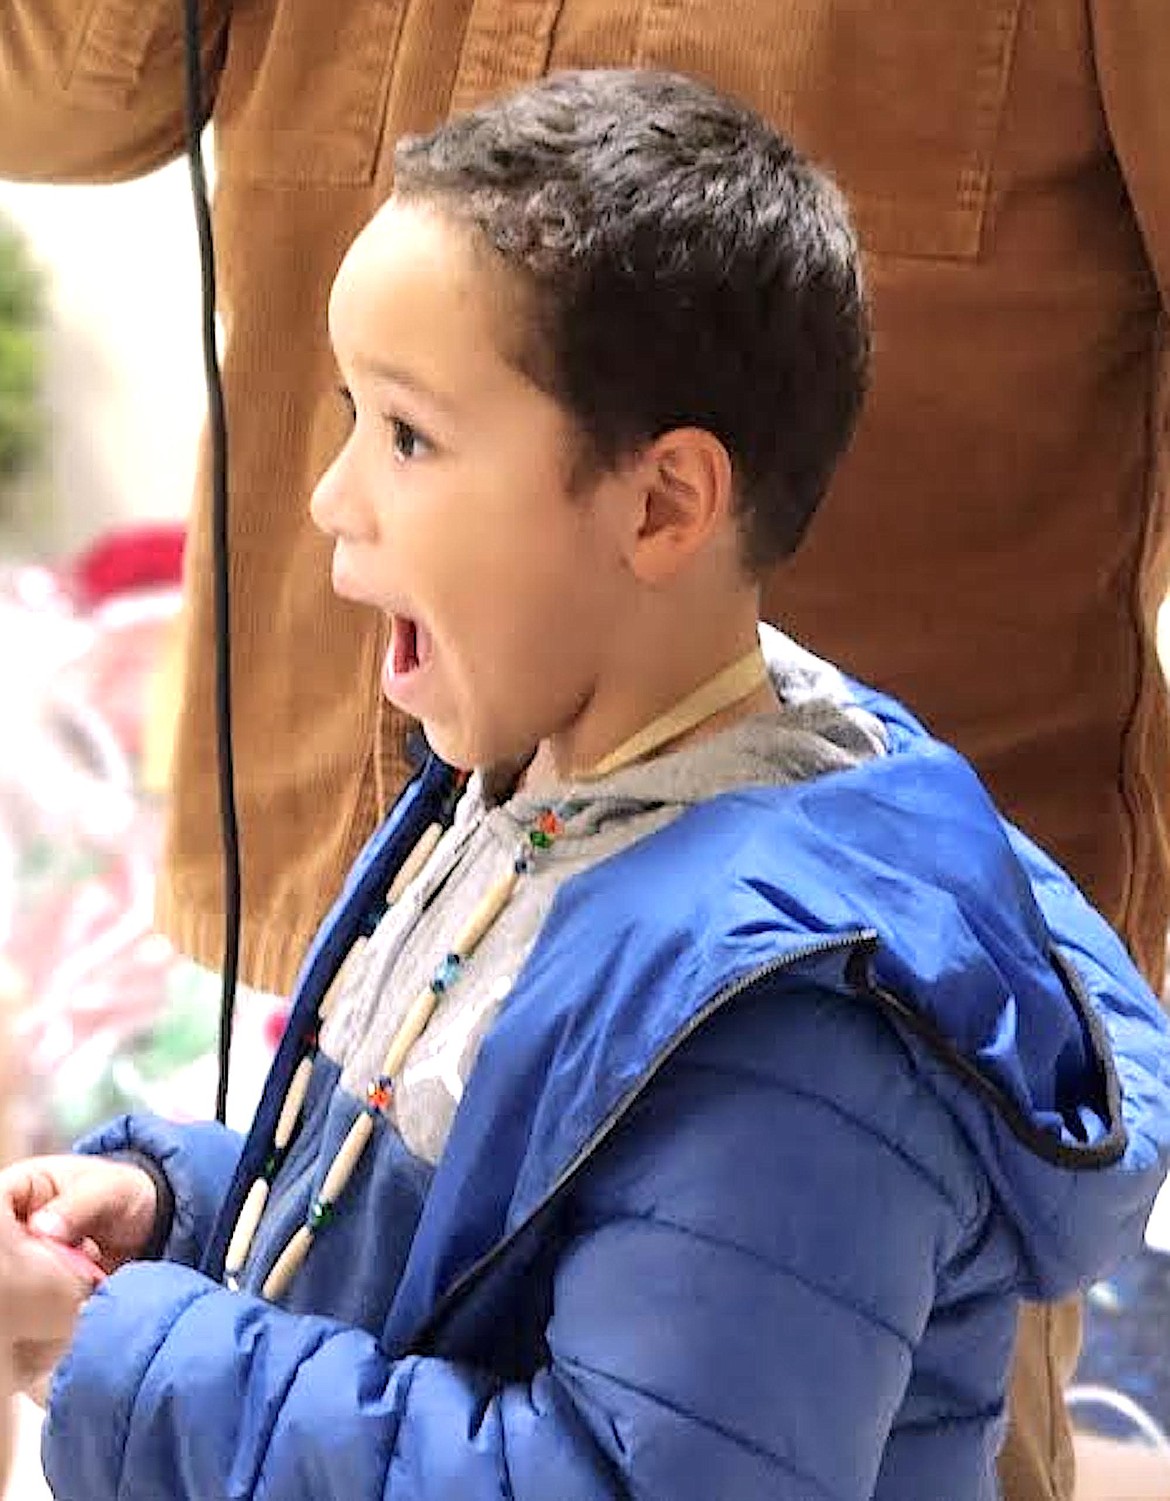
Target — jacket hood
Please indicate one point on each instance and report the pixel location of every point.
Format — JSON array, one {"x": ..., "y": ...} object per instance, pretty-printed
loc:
[
  {"x": 1021, "y": 1008},
  {"x": 1018, "y": 1001},
  {"x": 820, "y": 728}
]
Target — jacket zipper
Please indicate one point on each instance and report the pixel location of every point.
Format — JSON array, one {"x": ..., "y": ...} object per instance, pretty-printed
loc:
[{"x": 861, "y": 942}]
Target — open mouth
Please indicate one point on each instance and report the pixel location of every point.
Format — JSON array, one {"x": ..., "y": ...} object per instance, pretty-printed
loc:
[
  {"x": 410, "y": 651},
  {"x": 404, "y": 644}
]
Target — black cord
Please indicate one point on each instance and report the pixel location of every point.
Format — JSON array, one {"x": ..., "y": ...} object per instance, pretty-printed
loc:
[{"x": 217, "y": 426}]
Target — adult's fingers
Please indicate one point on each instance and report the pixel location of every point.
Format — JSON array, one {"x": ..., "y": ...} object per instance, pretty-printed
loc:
[{"x": 26, "y": 1187}]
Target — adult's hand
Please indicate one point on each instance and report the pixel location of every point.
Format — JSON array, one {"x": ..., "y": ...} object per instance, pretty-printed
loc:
[
  {"x": 41, "y": 1294},
  {"x": 103, "y": 1206}
]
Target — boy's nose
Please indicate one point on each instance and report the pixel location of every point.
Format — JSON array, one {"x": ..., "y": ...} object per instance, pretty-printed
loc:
[
  {"x": 319, "y": 505},
  {"x": 335, "y": 505}
]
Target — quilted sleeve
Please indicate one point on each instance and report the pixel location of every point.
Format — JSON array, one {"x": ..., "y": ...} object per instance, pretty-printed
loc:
[
  {"x": 759, "y": 1256},
  {"x": 748, "y": 1265},
  {"x": 176, "y": 1388}
]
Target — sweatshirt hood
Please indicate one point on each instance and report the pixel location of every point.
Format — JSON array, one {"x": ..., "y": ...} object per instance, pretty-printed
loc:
[{"x": 819, "y": 728}]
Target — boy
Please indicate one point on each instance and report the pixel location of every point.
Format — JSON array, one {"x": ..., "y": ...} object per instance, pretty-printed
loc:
[{"x": 723, "y": 1071}]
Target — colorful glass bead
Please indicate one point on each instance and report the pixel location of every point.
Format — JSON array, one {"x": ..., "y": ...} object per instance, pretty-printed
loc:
[
  {"x": 378, "y": 1093},
  {"x": 320, "y": 1215},
  {"x": 446, "y": 974},
  {"x": 545, "y": 830}
]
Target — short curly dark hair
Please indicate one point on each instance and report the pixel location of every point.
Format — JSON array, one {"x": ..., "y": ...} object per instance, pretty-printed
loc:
[{"x": 682, "y": 265}]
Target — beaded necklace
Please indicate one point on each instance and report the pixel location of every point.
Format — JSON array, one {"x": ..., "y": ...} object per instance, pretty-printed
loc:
[{"x": 725, "y": 689}]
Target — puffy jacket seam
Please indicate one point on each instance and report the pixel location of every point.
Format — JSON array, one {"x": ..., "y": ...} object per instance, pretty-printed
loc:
[
  {"x": 934, "y": 1421},
  {"x": 188, "y": 1303},
  {"x": 278, "y": 1407},
  {"x": 781, "y": 1269},
  {"x": 509, "y": 1491},
  {"x": 969, "y": 1219},
  {"x": 568, "y": 1364},
  {"x": 411, "y": 1364}
]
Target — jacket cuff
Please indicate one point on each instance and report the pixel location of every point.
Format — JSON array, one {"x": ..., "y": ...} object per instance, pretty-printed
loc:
[
  {"x": 164, "y": 1214},
  {"x": 193, "y": 1166}
]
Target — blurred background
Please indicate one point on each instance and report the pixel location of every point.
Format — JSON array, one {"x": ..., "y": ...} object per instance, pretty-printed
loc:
[
  {"x": 101, "y": 402},
  {"x": 121, "y": 391}
]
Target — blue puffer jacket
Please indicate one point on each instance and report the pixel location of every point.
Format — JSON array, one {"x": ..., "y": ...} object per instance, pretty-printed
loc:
[{"x": 790, "y": 1105}]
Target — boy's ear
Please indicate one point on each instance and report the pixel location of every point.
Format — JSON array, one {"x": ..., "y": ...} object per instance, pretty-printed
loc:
[{"x": 687, "y": 495}]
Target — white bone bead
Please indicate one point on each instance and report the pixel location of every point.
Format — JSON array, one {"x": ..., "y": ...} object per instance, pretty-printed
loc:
[
  {"x": 485, "y": 914},
  {"x": 290, "y": 1111},
  {"x": 337, "y": 984},
  {"x": 245, "y": 1231},
  {"x": 289, "y": 1263},
  {"x": 414, "y": 862},
  {"x": 414, "y": 1024},
  {"x": 348, "y": 1155}
]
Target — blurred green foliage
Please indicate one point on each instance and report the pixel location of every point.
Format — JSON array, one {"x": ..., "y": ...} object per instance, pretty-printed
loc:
[{"x": 22, "y": 314}]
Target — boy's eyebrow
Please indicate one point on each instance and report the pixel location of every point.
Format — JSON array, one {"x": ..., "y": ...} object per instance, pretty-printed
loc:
[{"x": 387, "y": 370}]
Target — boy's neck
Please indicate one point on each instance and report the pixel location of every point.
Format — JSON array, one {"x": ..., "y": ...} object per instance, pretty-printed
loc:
[{"x": 662, "y": 692}]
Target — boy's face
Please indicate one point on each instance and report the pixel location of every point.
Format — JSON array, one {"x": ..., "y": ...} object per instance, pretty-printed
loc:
[{"x": 449, "y": 503}]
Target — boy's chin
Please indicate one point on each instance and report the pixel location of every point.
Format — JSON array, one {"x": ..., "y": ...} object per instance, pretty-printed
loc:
[
  {"x": 450, "y": 747},
  {"x": 502, "y": 764}
]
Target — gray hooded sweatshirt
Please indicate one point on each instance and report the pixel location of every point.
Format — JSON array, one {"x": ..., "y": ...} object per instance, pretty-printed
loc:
[{"x": 816, "y": 730}]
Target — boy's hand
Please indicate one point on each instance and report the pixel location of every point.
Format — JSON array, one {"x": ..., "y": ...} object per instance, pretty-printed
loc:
[{"x": 105, "y": 1208}]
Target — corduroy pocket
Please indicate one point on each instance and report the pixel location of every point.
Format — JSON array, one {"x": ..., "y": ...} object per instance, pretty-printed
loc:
[
  {"x": 108, "y": 49},
  {"x": 303, "y": 95}
]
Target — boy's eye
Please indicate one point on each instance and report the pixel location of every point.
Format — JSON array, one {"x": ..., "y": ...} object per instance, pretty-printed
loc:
[{"x": 409, "y": 443}]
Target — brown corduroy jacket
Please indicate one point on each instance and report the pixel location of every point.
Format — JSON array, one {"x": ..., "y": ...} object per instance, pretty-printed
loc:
[{"x": 994, "y": 548}]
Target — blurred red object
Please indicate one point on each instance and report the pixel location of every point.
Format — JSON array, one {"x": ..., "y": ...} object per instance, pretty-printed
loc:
[
  {"x": 81, "y": 647},
  {"x": 149, "y": 556}
]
